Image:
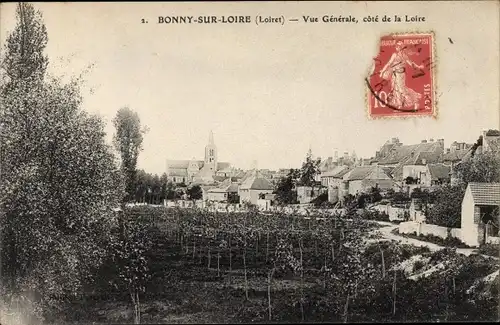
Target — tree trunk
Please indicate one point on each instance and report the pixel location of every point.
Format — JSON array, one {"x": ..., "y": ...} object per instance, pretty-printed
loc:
[
  {"x": 324, "y": 273},
  {"x": 394, "y": 295},
  {"x": 218, "y": 264},
  {"x": 245, "y": 269},
  {"x": 383, "y": 263},
  {"x": 270, "y": 278},
  {"x": 134, "y": 295},
  {"x": 200, "y": 250},
  {"x": 257, "y": 245},
  {"x": 194, "y": 246},
  {"x": 447, "y": 303},
  {"x": 230, "y": 259},
  {"x": 267, "y": 246},
  {"x": 301, "y": 281},
  {"x": 346, "y": 309},
  {"x": 209, "y": 257}
]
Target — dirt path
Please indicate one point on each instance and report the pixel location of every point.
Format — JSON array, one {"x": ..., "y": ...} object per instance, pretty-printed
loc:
[{"x": 386, "y": 233}]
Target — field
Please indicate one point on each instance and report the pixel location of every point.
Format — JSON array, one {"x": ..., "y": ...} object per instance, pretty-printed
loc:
[{"x": 247, "y": 267}]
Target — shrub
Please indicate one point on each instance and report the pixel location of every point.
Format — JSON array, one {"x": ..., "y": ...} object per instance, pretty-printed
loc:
[
  {"x": 418, "y": 265},
  {"x": 490, "y": 249},
  {"x": 320, "y": 200},
  {"x": 375, "y": 215}
]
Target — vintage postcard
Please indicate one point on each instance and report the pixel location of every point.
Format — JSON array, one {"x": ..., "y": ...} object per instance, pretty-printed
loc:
[{"x": 244, "y": 162}]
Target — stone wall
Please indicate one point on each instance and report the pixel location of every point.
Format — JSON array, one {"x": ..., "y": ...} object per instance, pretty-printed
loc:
[
  {"x": 394, "y": 213},
  {"x": 428, "y": 229}
]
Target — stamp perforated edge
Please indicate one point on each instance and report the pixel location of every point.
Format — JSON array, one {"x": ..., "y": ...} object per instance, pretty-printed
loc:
[{"x": 434, "y": 71}]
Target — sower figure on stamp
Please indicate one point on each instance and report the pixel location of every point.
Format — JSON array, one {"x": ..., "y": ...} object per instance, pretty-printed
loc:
[{"x": 400, "y": 95}]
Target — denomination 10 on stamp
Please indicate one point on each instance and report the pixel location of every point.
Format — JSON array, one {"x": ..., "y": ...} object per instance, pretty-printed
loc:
[{"x": 401, "y": 80}]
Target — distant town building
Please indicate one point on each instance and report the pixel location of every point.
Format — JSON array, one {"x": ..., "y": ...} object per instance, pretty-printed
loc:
[
  {"x": 198, "y": 171},
  {"x": 394, "y": 156},
  {"x": 225, "y": 192},
  {"x": 254, "y": 188},
  {"x": 362, "y": 179}
]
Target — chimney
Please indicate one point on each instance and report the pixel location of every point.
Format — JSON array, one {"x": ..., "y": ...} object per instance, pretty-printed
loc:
[
  {"x": 336, "y": 155},
  {"x": 346, "y": 155}
]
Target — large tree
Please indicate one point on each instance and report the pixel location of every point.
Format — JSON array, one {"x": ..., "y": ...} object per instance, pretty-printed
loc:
[
  {"x": 25, "y": 45},
  {"x": 128, "y": 142},
  {"x": 447, "y": 209},
  {"x": 285, "y": 188},
  {"x": 482, "y": 168},
  {"x": 309, "y": 170},
  {"x": 58, "y": 178}
]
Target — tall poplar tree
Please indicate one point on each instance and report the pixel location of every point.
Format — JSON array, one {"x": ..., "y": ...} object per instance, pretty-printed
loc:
[{"x": 127, "y": 140}]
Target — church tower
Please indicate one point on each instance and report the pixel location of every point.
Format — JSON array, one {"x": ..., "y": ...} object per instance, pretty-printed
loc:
[{"x": 211, "y": 154}]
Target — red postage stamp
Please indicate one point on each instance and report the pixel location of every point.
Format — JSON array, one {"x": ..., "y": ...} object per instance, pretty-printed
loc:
[{"x": 401, "y": 81}]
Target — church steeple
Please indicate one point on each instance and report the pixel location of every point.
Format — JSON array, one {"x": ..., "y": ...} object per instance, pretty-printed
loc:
[
  {"x": 211, "y": 153},
  {"x": 211, "y": 138}
]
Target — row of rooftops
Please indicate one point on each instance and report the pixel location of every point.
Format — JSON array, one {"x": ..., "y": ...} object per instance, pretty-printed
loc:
[
  {"x": 252, "y": 181},
  {"x": 377, "y": 172},
  {"x": 391, "y": 157}
]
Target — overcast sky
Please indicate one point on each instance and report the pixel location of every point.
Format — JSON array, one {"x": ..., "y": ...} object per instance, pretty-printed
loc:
[{"x": 268, "y": 92}]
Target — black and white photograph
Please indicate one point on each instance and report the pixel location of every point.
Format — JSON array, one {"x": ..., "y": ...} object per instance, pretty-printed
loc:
[{"x": 242, "y": 162}]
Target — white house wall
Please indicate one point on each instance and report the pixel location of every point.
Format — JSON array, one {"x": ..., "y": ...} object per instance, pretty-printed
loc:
[{"x": 469, "y": 229}]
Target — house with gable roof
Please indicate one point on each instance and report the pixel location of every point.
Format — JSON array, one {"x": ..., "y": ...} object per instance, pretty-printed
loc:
[
  {"x": 363, "y": 178},
  {"x": 480, "y": 216},
  {"x": 254, "y": 187},
  {"x": 222, "y": 193},
  {"x": 395, "y": 156}
]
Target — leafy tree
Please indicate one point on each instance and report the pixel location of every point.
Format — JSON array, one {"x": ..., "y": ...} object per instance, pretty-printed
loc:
[
  {"x": 25, "y": 59},
  {"x": 483, "y": 168},
  {"x": 59, "y": 182},
  {"x": 375, "y": 195},
  {"x": 171, "y": 191},
  {"x": 309, "y": 170},
  {"x": 389, "y": 194},
  {"x": 446, "y": 211},
  {"x": 493, "y": 133},
  {"x": 233, "y": 198},
  {"x": 195, "y": 192},
  {"x": 128, "y": 142},
  {"x": 321, "y": 200},
  {"x": 285, "y": 189},
  {"x": 400, "y": 197},
  {"x": 129, "y": 255}
]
